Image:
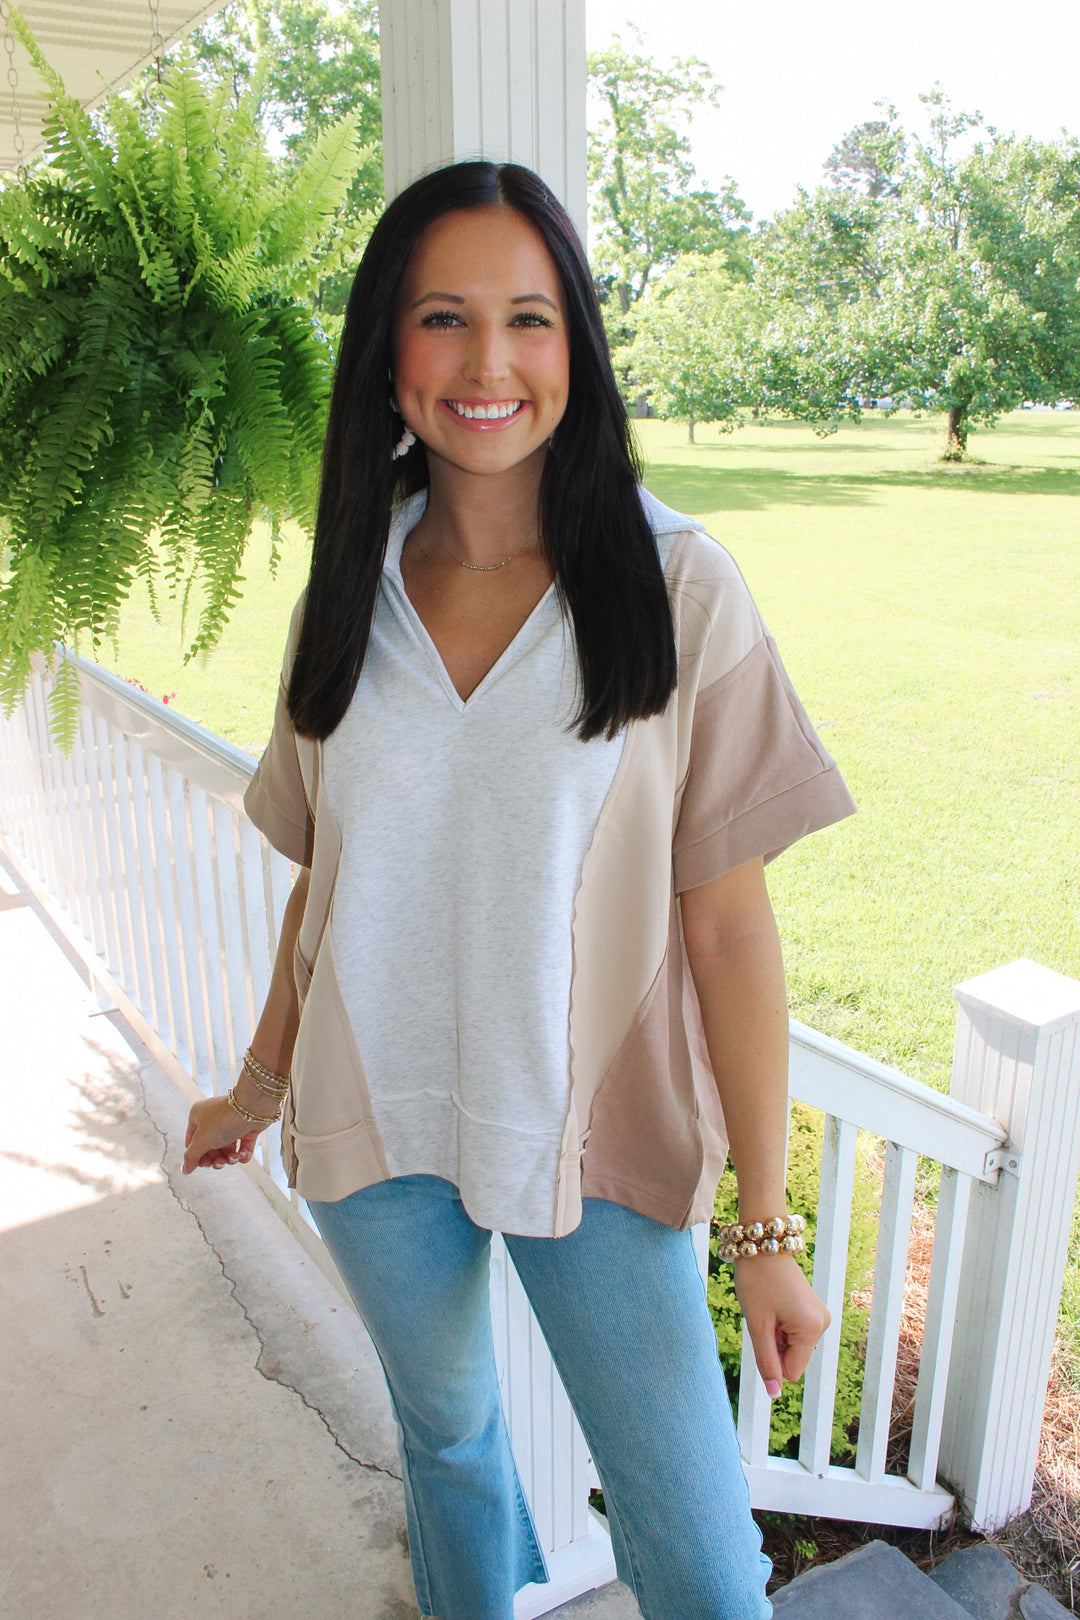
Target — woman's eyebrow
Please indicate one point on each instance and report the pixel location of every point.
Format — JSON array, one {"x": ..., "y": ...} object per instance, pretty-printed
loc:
[{"x": 456, "y": 298}]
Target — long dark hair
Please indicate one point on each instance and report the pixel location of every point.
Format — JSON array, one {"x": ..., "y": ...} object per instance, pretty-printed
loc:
[{"x": 597, "y": 539}]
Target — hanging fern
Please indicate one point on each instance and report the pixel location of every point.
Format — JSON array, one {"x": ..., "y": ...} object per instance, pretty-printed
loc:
[{"x": 163, "y": 379}]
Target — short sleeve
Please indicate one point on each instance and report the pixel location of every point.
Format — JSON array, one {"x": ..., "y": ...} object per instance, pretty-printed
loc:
[
  {"x": 276, "y": 800},
  {"x": 758, "y": 776}
]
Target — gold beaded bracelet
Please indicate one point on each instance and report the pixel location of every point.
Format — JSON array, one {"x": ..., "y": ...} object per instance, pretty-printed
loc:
[
  {"x": 257, "y": 1070},
  {"x": 279, "y": 1093},
  {"x": 252, "y": 1119},
  {"x": 781, "y": 1235}
]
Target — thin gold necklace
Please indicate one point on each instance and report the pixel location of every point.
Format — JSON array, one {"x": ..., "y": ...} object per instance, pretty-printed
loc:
[{"x": 487, "y": 568}]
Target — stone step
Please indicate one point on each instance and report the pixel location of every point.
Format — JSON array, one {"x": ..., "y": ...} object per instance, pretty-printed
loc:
[
  {"x": 877, "y": 1582},
  {"x": 984, "y": 1583}
]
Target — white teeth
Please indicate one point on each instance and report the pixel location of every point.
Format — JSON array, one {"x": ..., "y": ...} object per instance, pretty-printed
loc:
[{"x": 486, "y": 413}]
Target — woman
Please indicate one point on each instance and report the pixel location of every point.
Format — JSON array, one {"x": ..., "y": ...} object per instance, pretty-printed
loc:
[{"x": 532, "y": 746}]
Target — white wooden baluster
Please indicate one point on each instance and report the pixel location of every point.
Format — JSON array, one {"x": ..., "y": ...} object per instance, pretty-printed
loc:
[
  {"x": 34, "y": 825},
  {"x": 195, "y": 1002},
  {"x": 151, "y": 907},
  {"x": 883, "y": 1334},
  {"x": 830, "y": 1273},
  {"x": 26, "y": 818},
  {"x": 55, "y": 788},
  {"x": 130, "y": 888},
  {"x": 45, "y": 819},
  {"x": 165, "y": 874},
  {"x": 17, "y": 820},
  {"x": 232, "y": 933},
  {"x": 80, "y": 873},
  {"x": 123, "y": 961},
  {"x": 255, "y": 915},
  {"x": 950, "y": 1226},
  {"x": 15, "y": 791},
  {"x": 210, "y": 938},
  {"x": 755, "y": 1408},
  {"x": 103, "y": 936}
]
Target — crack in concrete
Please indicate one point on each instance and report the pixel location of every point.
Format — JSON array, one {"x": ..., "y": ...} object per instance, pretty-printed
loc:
[{"x": 271, "y": 1377}]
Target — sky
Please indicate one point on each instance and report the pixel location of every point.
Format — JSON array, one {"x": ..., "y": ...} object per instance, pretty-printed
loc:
[{"x": 798, "y": 75}]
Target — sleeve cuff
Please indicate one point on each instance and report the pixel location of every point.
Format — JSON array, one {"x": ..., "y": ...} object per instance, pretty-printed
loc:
[
  {"x": 295, "y": 842},
  {"x": 765, "y": 830}
]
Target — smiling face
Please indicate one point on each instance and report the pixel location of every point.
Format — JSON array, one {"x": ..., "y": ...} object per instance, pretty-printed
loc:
[{"x": 481, "y": 357}]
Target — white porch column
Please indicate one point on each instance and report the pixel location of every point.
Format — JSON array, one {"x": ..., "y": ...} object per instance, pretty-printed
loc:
[
  {"x": 499, "y": 79},
  {"x": 1018, "y": 1059}
]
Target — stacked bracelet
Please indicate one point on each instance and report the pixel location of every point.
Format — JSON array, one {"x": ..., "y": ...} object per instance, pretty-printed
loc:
[
  {"x": 781, "y": 1235},
  {"x": 275, "y": 1085},
  {"x": 264, "y": 1080},
  {"x": 252, "y": 1119}
]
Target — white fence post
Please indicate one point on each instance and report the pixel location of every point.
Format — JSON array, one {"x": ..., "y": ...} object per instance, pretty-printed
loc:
[{"x": 1017, "y": 1059}]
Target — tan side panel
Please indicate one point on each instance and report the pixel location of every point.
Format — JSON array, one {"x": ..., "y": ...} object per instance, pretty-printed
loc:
[{"x": 645, "y": 1146}]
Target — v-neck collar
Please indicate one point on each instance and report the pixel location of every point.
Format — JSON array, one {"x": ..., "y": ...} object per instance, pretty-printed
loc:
[{"x": 402, "y": 523}]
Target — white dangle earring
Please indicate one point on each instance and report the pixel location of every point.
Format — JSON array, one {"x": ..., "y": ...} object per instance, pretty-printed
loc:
[
  {"x": 408, "y": 438},
  {"x": 404, "y": 444}
]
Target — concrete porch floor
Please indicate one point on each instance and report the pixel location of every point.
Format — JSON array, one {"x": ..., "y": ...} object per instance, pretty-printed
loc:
[{"x": 193, "y": 1422}]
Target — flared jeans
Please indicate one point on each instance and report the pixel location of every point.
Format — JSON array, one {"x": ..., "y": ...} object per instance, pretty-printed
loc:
[{"x": 622, "y": 1306}]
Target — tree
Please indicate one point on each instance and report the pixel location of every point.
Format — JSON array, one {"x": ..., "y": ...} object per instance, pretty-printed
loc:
[
  {"x": 163, "y": 377},
  {"x": 870, "y": 158},
  {"x": 646, "y": 208},
  {"x": 690, "y": 351},
  {"x": 979, "y": 308},
  {"x": 953, "y": 288}
]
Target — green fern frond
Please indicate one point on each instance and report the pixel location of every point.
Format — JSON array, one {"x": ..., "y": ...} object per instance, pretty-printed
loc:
[
  {"x": 27, "y": 620},
  {"x": 72, "y": 432},
  {"x": 317, "y": 189},
  {"x": 64, "y": 704}
]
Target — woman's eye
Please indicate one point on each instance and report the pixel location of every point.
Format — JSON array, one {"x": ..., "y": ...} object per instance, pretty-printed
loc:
[
  {"x": 529, "y": 317},
  {"x": 439, "y": 317}
]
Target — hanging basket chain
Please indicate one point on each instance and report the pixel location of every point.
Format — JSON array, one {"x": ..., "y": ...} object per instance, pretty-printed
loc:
[
  {"x": 13, "y": 82},
  {"x": 157, "y": 38}
]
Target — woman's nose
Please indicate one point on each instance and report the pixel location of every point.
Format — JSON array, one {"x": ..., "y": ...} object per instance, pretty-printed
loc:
[{"x": 486, "y": 358}]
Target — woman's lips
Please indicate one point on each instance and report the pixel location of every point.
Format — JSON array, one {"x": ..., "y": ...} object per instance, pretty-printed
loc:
[{"x": 484, "y": 424}]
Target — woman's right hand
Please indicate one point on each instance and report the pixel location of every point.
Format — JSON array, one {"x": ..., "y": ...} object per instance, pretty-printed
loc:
[{"x": 212, "y": 1139}]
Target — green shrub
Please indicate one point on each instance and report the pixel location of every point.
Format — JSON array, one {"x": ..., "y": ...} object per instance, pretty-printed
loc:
[{"x": 803, "y": 1178}]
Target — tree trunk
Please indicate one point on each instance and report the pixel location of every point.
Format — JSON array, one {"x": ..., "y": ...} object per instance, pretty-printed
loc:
[
  {"x": 956, "y": 433},
  {"x": 691, "y": 426}
]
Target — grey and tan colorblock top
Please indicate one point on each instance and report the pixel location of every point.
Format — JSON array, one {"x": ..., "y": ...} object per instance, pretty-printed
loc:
[{"x": 730, "y": 771}]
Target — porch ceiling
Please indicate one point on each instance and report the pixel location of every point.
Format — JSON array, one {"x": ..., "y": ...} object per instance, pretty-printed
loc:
[{"x": 95, "y": 45}]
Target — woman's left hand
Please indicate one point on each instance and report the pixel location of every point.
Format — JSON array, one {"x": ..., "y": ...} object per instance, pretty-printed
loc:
[
  {"x": 784, "y": 1316},
  {"x": 214, "y": 1136}
]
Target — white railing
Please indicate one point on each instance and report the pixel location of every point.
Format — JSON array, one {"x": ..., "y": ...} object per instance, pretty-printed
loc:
[{"x": 137, "y": 843}]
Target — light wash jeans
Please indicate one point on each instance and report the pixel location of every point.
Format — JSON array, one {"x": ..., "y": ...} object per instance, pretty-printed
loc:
[{"x": 623, "y": 1309}]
